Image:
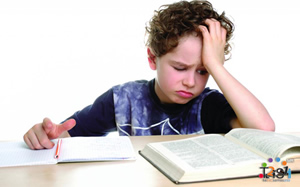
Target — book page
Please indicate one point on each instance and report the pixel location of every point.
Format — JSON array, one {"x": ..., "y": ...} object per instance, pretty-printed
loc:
[
  {"x": 96, "y": 149},
  {"x": 266, "y": 143},
  {"x": 19, "y": 154},
  {"x": 209, "y": 150}
]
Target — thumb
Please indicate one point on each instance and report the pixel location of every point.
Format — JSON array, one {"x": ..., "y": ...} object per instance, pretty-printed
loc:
[{"x": 65, "y": 126}]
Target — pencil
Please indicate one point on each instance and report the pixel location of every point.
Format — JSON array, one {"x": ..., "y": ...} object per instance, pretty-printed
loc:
[{"x": 57, "y": 152}]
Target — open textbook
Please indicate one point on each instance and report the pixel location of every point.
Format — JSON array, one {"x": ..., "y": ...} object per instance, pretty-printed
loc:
[
  {"x": 75, "y": 149},
  {"x": 240, "y": 153}
]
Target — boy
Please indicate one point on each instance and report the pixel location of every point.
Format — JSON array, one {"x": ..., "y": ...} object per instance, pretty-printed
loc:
[{"x": 187, "y": 43}]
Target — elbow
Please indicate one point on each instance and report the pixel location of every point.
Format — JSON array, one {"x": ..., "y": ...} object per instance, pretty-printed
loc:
[
  {"x": 268, "y": 125},
  {"x": 264, "y": 123}
]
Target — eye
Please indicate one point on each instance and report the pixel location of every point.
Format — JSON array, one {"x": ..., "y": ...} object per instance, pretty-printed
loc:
[
  {"x": 179, "y": 69},
  {"x": 202, "y": 72}
]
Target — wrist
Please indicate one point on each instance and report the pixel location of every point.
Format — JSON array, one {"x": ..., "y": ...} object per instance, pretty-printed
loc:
[{"x": 214, "y": 68}]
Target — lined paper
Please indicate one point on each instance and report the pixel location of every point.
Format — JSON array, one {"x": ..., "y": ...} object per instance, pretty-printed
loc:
[
  {"x": 75, "y": 149},
  {"x": 18, "y": 154},
  {"x": 96, "y": 148}
]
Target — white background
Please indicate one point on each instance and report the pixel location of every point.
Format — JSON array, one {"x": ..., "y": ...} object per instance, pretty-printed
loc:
[{"x": 57, "y": 57}]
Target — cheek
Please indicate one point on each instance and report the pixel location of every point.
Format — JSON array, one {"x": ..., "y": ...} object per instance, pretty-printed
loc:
[
  {"x": 204, "y": 79},
  {"x": 167, "y": 75},
  {"x": 165, "y": 81},
  {"x": 201, "y": 81}
]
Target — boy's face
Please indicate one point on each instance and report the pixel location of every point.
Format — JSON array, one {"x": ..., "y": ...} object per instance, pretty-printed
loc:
[{"x": 180, "y": 73}]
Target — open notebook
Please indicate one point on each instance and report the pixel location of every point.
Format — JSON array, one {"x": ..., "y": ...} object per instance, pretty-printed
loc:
[{"x": 75, "y": 149}]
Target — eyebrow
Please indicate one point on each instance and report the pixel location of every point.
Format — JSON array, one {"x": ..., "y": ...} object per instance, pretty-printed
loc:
[
  {"x": 179, "y": 63},
  {"x": 174, "y": 62}
]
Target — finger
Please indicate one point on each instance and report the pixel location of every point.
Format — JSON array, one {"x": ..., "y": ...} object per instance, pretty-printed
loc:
[
  {"x": 27, "y": 141},
  {"x": 67, "y": 125},
  {"x": 47, "y": 125},
  {"x": 214, "y": 27},
  {"x": 218, "y": 29},
  {"x": 32, "y": 140},
  {"x": 210, "y": 23},
  {"x": 204, "y": 32},
  {"x": 224, "y": 33},
  {"x": 40, "y": 139}
]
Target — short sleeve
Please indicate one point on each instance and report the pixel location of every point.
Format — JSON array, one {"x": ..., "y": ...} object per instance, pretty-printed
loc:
[
  {"x": 216, "y": 114},
  {"x": 97, "y": 119}
]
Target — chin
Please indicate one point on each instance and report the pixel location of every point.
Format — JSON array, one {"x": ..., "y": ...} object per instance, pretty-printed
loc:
[{"x": 182, "y": 101}]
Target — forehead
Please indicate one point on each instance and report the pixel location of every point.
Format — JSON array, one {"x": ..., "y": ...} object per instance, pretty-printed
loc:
[{"x": 188, "y": 51}]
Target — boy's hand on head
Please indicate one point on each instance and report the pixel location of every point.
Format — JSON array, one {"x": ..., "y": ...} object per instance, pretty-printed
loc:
[
  {"x": 250, "y": 112},
  {"x": 40, "y": 135},
  {"x": 214, "y": 40}
]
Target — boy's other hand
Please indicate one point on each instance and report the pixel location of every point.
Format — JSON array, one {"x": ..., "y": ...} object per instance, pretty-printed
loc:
[
  {"x": 214, "y": 40},
  {"x": 40, "y": 135}
]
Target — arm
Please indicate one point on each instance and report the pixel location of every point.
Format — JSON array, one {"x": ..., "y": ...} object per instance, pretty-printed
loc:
[{"x": 249, "y": 110}]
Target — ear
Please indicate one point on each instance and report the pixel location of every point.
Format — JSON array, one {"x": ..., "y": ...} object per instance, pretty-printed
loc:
[{"x": 151, "y": 59}]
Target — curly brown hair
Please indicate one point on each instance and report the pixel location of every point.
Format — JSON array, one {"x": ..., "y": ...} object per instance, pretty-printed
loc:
[{"x": 173, "y": 21}]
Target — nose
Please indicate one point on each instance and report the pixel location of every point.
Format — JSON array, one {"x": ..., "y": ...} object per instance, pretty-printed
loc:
[{"x": 189, "y": 80}]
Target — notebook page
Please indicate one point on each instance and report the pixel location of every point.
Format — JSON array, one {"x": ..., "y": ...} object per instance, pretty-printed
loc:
[
  {"x": 18, "y": 154},
  {"x": 96, "y": 149}
]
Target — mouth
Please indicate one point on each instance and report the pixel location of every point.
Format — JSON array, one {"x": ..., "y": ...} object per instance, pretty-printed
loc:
[{"x": 185, "y": 94}]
